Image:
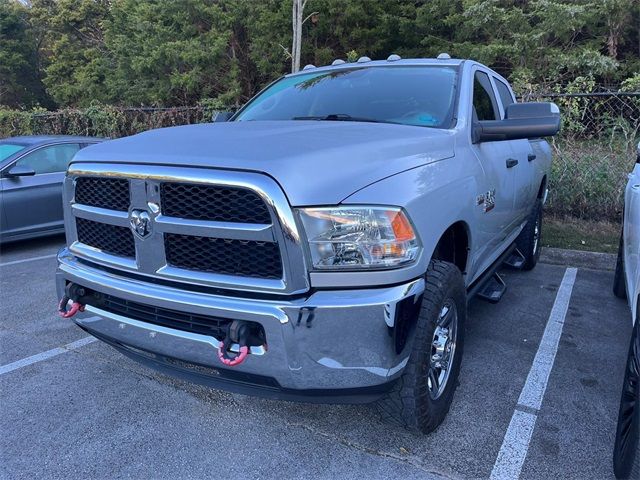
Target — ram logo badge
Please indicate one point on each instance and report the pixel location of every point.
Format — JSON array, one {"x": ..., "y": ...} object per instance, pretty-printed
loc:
[{"x": 140, "y": 223}]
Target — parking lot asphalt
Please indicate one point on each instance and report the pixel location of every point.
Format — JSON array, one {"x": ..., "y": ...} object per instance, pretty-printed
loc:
[{"x": 88, "y": 412}]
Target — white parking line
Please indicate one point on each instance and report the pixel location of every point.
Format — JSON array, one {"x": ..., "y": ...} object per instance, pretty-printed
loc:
[
  {"x": 516, "y": 441},
  {"x": 32, "y": 259},
  {"x": 39, "y": 357}
]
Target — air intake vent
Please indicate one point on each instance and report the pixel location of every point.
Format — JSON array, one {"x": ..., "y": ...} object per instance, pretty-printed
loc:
[
  {"x": 108, "y": 238},
  {"x": 212, "y": 202},
  {"x": 111, "y": 193},
  {"x": 246, "y": 258},
  {"x": 188, "y": 322}
]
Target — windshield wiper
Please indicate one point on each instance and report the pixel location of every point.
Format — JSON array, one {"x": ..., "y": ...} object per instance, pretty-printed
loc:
[{"x": 341, "y": 117}]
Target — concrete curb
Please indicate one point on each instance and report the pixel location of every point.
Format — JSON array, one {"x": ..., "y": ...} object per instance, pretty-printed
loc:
[{"x": 577, "y": 258}]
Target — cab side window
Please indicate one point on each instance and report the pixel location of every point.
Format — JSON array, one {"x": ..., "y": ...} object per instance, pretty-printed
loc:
[
  {"x": 484, "y": 101},
  {"x": 54, "y": 158},
  {"x": 504, "y": 93}
]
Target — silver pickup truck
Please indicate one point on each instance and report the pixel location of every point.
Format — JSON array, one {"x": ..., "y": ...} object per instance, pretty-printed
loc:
[{"x": 320, "y": 245}]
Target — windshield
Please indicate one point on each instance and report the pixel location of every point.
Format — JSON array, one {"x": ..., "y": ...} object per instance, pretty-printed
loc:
[
  {"x": 412, "y": 95},
  {"x": 8, "y": 149}
]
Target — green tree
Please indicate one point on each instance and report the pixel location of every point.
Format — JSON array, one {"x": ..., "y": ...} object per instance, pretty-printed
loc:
[
  {"x": 221, "y": 52},
  {"x": 20, "y": 84},
  {"x": 169, "y": 53},
  {"x": 76, "y": 61}
]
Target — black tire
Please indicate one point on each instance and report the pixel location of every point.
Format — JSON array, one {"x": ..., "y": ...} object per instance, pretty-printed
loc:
[
  {"x": 413, "y": 403},
  {"x": 529, "y": 240},
  {"x": 626, "y": 451},
  {"x": 619, "y": 282}
]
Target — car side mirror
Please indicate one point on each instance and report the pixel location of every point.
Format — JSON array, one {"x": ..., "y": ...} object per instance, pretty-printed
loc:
[
  {"x": 522, "y": 120},
  {"x": 222, "y": 116},
  {"x": 19, "y": 171}
]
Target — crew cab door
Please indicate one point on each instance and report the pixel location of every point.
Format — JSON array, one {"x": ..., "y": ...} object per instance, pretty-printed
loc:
[
  {"x": 525, "y": 170},
  {"x": 494, "y": 206}
]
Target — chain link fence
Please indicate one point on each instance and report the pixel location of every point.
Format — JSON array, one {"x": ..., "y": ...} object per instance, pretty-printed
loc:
[
  {"x": 592, "y": 155},
  {"x": 594, "y": 152}
]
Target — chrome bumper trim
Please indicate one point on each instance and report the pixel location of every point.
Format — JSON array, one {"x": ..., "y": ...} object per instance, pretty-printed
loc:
[{"x": 328, "y": 340}]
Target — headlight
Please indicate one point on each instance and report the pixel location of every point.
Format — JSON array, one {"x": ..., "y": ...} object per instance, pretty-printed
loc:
[{"x": 342, "y": 238}]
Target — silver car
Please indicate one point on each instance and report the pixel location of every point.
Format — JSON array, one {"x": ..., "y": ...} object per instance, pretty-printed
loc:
[
  {"x": 626, "y": 455},
  {"x": 31, "y": 175}
]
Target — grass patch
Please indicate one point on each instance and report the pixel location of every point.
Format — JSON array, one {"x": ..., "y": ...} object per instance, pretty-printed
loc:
[{"x": 578, "y": 234}]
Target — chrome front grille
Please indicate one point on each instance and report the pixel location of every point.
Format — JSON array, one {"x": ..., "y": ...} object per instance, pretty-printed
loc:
[{"x": 207, "y": 227}]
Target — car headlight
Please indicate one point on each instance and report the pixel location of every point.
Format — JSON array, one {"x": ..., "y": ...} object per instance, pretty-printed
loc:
[{"x": 343, "y": 238}]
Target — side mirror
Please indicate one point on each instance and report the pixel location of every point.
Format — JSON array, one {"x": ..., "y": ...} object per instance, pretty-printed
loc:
[
  {"x": 522, "y": 120},
  {"x": 20, "y": 171},
  {"x": 222, "y": 116}
]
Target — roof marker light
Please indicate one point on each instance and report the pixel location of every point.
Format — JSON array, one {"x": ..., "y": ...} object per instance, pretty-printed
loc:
[
  {"x": 364, "y": 60},
  {"x": 308, "y": 67},
  {"x": 338, "y": 61},
  {"x": 393, "y": 58},
  {"x": 444, "y": 56}
]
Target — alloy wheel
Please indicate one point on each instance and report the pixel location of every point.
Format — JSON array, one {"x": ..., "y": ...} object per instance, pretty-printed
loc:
[{"x": 443, "y": 349}]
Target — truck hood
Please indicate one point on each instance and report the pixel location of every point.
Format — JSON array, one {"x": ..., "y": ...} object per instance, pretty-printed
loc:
[{"x": 315, "y": 162}]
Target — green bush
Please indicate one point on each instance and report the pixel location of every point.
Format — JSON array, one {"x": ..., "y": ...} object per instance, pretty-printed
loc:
[{"x": 97, "y": 120}]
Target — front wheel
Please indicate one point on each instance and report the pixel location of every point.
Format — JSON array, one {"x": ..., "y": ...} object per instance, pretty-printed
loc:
[{"x": 423, "y": 394}]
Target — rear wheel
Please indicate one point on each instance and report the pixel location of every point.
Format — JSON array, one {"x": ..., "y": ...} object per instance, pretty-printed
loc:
[
  {"x": 422, "y": 396},
  {"x": 528, "y": 242},
  {"x": 619, "y": 283},
  {"x": 626, "y": 452}
]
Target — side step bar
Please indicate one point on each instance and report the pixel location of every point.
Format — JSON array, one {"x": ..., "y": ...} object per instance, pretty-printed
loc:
[
  {"x": 493, "y": 289},
  {"x": 490, "y": 286},
  {"x": 515, "y": 260}
]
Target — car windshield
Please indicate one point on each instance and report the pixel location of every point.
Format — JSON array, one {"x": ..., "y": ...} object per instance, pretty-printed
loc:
[
  {"x": 411, "y": 95},
  {"x": 8, "y": 149}
]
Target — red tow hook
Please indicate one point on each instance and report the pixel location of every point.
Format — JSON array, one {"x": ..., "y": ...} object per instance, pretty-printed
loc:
[
  {"x": 232, "y": 362},
  {"x": 75, "y": 308},
  {"x": 241, "y": 332}
]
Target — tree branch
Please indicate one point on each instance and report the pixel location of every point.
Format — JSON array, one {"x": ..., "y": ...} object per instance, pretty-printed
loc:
[
  {"x": 286, "y": 50},
  {"x": 309, "y": 16}
]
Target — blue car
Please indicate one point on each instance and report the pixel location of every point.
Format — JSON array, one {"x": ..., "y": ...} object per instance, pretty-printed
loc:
[{"x": 31, "y": 174}]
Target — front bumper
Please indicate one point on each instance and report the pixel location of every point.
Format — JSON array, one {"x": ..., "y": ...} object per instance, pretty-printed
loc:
[{"x": 327, "y": 346}]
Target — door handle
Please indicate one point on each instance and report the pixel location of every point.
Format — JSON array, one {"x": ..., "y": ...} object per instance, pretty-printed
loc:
[
  {"x": 511, "y": 162},
  {"x": 531, "y": 157}
]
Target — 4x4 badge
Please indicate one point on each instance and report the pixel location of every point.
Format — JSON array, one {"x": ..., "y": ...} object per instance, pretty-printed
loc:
[{"x": 140, "y": 223}]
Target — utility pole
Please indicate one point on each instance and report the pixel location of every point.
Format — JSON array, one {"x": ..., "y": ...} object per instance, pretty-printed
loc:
[{"x": 297, "y": 22}]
